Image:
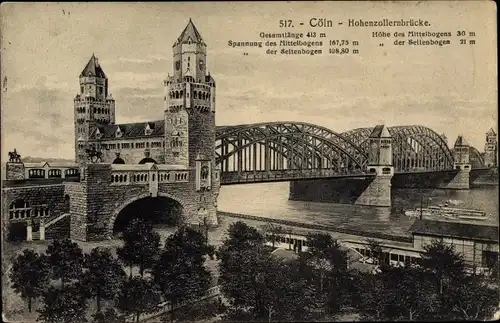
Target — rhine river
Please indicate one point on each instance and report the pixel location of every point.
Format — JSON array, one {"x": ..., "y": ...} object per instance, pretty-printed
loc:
[{"x": 271, "y": 200}]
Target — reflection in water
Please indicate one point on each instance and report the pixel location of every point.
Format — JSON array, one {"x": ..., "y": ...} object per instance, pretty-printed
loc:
[{"x": 271, "y": 200}]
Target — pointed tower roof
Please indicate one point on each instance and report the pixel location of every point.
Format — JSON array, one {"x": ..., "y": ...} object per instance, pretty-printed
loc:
[
  {"x": 491, "y": 132},
  {"x": 93, "y": 69},
  {"x": 189, "y": 34},
  {"x": 380, "y": 131},
  {"x": 460, "y": 142}
]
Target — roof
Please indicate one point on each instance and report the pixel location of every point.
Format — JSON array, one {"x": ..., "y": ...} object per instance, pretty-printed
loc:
[
  {"x": 460, "y": 142},
  {"x": 147, "y": 160},
  {"x": 118, "y": 160},
  {"x": 50, "y": 165},
  {"x": 491, "y": 132},
  {"x": 146, "y": 167},
  {"x": 131, "y": 130},
  {"x": 93, "y": 68},
  {"x": 380, "y": 131},
  {"x": 455, "y": 229},
  {"x": 209, "y": 79},
  {"x": 189, "y": 34},
  {"x": 285, "y": 254}
]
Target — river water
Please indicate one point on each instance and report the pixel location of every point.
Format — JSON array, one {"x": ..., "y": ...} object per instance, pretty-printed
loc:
[{"x": 271, "y": 200}]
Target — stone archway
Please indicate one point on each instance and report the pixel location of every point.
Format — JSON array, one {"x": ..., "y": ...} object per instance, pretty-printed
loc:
[{"x": 123, "y": 206}]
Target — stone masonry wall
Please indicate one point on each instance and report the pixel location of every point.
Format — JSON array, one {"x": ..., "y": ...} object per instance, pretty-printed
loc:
[
  {"x": 50, "y": 195},
  {"x": 459, "y": 182},
  {"x": 77, "y": 193},
  {"x": 334, "y": 190},
  {"x": 378, "y": 193},
  {"x": 135, "y": 155},
  {"x": 201, "y": 135},
  {"x": 14, "y": 171},
  {"x": 96, "y": 202}
]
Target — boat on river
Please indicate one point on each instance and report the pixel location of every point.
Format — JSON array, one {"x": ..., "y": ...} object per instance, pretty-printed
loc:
[{"x": 443, "y": 210}]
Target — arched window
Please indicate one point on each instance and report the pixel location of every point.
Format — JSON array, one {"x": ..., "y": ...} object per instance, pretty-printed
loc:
[
  {"x": 118, "y": 160},
  {"x": 19, "y": 209},
  {"x": 147, "y": 160},
  {"x": 195, "y": 94},
  {"x": 204, "y": 172}
]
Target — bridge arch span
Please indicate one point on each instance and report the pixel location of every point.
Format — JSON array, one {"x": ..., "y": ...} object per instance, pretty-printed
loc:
[
  {"x": 412, "y": 146},
  {"x": 476, "y": 159},
  {"x": 303, "y": 145},
  {"x": 123, "y": 205}
]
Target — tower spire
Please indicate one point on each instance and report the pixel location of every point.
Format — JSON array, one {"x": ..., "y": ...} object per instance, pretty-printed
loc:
[{"x": 189, "y": 35}]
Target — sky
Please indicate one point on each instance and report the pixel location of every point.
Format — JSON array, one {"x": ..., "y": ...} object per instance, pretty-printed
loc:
[{"x": 450, "y": 89}]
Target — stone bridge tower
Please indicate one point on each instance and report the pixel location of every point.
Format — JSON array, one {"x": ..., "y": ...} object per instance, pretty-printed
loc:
[
  {"x": 378, "y": 193},
  {"x": 491, "y": 149},
  {"x": 93, "y": 105},
  {"x": 190, "y": 104},
  {"x": 461, "y": 163}
]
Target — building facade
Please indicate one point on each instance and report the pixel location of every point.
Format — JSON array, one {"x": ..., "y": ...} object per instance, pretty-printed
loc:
[
  {"x": 120, "y": 164},
  {"x": 186, "y": 131}
]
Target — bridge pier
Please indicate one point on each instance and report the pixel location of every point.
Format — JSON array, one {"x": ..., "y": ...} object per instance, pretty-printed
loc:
[
  {"x": 378, "y": 192},
  {"x": 462, "y": 164},
  {"x": 373, "y": 189},
  {"x": 461, "y": 181}
]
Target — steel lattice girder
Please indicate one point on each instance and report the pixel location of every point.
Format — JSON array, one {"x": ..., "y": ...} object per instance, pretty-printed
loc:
[
  {"x": 255, "y": 133},
  {"x": 400, "y": 135},
  {"x": 353, "y": 143}
]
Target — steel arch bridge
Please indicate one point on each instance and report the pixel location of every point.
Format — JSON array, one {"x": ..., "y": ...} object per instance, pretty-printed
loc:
[{"x": 277, "y": 151}]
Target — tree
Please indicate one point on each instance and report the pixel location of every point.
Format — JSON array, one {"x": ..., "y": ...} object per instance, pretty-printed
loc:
[
  {"x": 138, "y": 296},
  {"x": 240, "y": 236},
  {"x": 376, "y": 252},
  {"x": 66, "y": 260},
  {"x": 108, "y": 316},
  {"x": 324, "y": 254},
  {"x": 257, "y": 285},
  {"x": 411, "y": 295},
  {"x": 141, "y": 246},
  {"x": 281, "y": 293},
  {"x": 374, "y": 301},
  {"x": 241, "y": 256},
  {"x": 66, "y": 305},
  {"x": 180, "y": 272},
  {"x": 474, "y": 300},
  {"x": 104, "y": 276},
  {"x": 273, "y": 232},
  {"x": 444, "y": 263},
  {"x": 30, "y": 275},
  {"x": 323, "y": 246}
]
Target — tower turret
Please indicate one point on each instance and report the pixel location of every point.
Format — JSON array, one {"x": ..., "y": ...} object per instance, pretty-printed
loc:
[
  {"x": 93, "y": 105},
  {"x": 491, "y": 149},
  {"x": 380, "y": 154},
  {"x": 189, "y": 103}
]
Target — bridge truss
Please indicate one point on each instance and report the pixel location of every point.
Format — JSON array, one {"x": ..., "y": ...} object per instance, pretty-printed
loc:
[
  {"x": 286, "y": 148},
  {"x": 414, "y": 148},
  {"x": 298, "y": 149}
]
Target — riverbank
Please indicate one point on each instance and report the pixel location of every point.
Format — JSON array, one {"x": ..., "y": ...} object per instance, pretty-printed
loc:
[{"x": 353, "y": 232}]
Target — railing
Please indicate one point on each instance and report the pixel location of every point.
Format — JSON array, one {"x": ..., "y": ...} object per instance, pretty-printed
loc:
[
  {"x": 234, "y": 177},
  {"x": 145, "y": 177},
  {"x": 164, "y": 307},
  {"x": 37, "y": 182},
  {"x": 55, "y": 219},
  {"x": 321, "y": 227}
]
